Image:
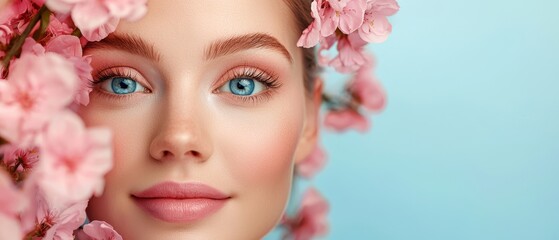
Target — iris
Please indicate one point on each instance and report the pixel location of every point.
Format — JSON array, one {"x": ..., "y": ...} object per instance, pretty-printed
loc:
[
  {"x": 121, "y": 85},
  {"x": 242, "y": 86}
]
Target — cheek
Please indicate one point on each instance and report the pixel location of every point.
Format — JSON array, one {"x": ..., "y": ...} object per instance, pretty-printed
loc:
[
  {"x": 259, "y": 148},
  {"x": 257, "y": 151},
  {"x": 130, "y": 128},
  {"x": 264, "y": 146}
]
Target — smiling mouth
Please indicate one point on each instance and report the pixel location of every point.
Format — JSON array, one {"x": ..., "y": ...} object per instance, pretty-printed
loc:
[{"x": 180, "y": 202}]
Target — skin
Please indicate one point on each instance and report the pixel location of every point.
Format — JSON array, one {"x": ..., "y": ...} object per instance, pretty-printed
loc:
[{"x": 186, "y": 128}]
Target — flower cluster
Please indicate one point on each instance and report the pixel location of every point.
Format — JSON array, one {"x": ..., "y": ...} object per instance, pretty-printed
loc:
[
  {"x": 349, "y": 25},
  {"x": 96, "y": 19},
  {"x": 50, "y": 163}
]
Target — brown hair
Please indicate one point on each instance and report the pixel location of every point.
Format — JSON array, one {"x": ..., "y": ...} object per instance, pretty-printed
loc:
[{"x": 302, "y": 12}]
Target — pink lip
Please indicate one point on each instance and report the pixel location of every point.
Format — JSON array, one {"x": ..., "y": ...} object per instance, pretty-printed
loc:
[{"x": 180, "y": 202}]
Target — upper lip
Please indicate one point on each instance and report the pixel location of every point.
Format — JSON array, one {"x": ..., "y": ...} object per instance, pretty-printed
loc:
[{"x": 181, "y": 191}]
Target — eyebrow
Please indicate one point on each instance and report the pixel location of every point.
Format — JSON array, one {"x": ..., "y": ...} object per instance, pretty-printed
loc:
[
  {"x": 126, "y": 42},
  {"x": 243, "y": 42},
  {"x": 136, "y": 45}
]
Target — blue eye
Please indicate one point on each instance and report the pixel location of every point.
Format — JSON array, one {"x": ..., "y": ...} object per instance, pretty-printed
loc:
[
  {"x": 243, "y": 86},
  {"x": 122, "y": 85}
]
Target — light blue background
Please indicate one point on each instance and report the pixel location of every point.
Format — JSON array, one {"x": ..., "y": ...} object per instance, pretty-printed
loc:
[{"x": 468, "y": 145}]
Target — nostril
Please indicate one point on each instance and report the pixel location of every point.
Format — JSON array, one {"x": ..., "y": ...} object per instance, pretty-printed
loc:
[
  {"x": 167, "y": 154},
  {"x": 195, "y": 154}
]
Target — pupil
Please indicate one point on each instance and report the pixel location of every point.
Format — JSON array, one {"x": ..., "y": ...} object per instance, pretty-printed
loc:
[
  {"x": 123, "y": 84},
  {"x": 240, "y": 85}
]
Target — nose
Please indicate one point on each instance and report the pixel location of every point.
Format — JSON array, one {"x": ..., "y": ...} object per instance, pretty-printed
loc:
[{"x": 181, "y": 135}]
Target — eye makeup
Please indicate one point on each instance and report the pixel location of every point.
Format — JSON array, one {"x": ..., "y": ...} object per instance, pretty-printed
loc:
[
  {"x": 109, "y": 74},
  {"x": 269, "y": 80}
]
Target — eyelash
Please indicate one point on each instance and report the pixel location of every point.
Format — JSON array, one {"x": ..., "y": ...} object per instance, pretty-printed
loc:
[
  {"x": 270, "y": 81},
  {"x": 101, "y": 76},
  {"x": 107, "y": 74}
]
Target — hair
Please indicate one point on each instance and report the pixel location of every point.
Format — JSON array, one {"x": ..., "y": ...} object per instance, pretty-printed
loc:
[{"x": 301, "y": 10}]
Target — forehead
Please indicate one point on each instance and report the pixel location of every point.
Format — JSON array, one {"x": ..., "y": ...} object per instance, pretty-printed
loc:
[{"x": 187, "y": 26}]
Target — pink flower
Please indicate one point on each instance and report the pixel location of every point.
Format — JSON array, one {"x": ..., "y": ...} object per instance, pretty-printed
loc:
[
  {"x": 91, "y": 15},
  {"x": 311, "y": 35},
  {"x": 350, "y": 54},
  {"x": 11, "y": 202},
  {"x": 73, "y": 159},
  {"x": 84, "y": 69},
  {"x": 31, "y": 46},
  {"x": 51, "y": 217},
  {"x": 313, "y": 163},
  {"x": 26, "y": 158},
  {"x": 376, "y": 27},
  {"x": 57, "y": 27},
  {"x": 311, "y": 220},
  {"x": 63, "y": 221},
  {"x": 131, "y": 10},
  {"x": 37, "y": 87},
  {"x": 338, "y": 5},
  {"x": 98, "y": 230},
  {"x": 66, "y": 45},
  {"x": 62, "y": 6},
  {"x": 367, "y": 90},
  {"x": 345, "y": 15},
  {"x": 18, "y": 14},
  {"x": 16, "y": 10},
  {"x": 96, "y": 34},
  {"x": 325, "y": 44},
  {"x": 70, "y": 47},
  {"x": 341, "y": 120},
  {"x": 97, "y": 18},
  {"x": 6, "y": 35}
]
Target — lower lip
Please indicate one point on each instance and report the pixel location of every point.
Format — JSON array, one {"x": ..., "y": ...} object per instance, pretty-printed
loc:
[{"x": 180, "y": 210}]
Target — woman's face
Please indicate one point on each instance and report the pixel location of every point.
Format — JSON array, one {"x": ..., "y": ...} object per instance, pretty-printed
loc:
[{"x": 199, "y": 95}]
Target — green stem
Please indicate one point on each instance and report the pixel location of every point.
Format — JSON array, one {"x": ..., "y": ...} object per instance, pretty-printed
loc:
[
  {"x": 45, "y": 20},
  {"x": 19, "y": 40}
]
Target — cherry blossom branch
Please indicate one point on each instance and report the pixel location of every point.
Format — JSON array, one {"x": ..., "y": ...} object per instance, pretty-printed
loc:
[
  {"x": 45, "y": 20},
  {"x": 19, "y": 40}
]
